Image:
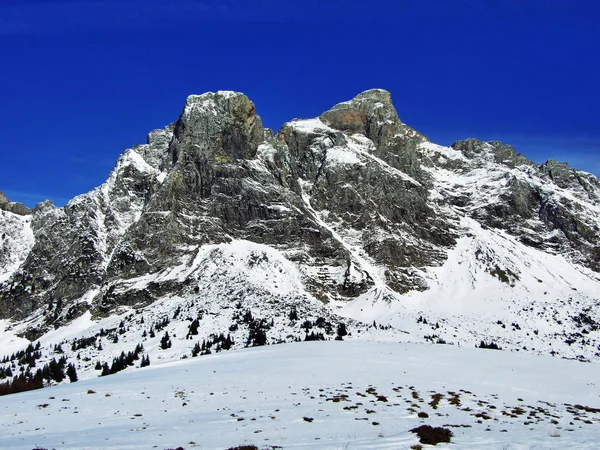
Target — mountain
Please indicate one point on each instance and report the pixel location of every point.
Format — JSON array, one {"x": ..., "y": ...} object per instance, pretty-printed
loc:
[{"x": 348, "y": 225}]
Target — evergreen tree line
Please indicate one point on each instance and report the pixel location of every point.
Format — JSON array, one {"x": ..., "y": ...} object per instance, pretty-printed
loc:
[
  {"x": 123, "y": 361},
  {"x": 492, "y": 345},
  {"x": 22, "y": 383},
  {"x": 320, "y": 323},
  {"x": 52, "y": 371},
  {"x": 82, "y": 343},
  {"x": 27, "y": 356},
  {"x": 104, "y": 332},
  {"x": 318, "y": 336},
  {"x": 220, "y": 342},
  {"x": 158, "y": 326},
  {"x": 257, "y": 334}
]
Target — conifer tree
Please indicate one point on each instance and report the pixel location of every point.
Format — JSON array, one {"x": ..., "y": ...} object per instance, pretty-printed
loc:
[
  {"x": 165, "y": 341},
  {"x": 341, "y": 331},
  {"x": 72, "y": 373}
]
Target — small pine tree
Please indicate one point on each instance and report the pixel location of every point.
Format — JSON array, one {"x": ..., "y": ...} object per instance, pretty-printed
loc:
[
  {"x": 307, "y": 325},
  {"x": 341, "y": 331},
  {"x": 196, "y": 350},
  {"x": 56, "y": 370},
  {"x": 165, "y": 341},
  {"x": 72, "y": 373},
  {"x": 227, "y": 343},
  {"x": 193, "y": 329}
]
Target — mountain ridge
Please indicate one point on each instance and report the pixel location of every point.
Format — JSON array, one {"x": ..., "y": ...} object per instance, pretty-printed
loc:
[{"x": 349, "y": 218}]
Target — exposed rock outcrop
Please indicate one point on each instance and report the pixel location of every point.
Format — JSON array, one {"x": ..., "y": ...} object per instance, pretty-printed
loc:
[{"x": 14, "y": 207}]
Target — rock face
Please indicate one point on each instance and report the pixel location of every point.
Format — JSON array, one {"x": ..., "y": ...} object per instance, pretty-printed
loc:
[
  {"x": 360, "y": 204},
  {"x": 13, "y": 207},
  {"x": 551, "y": 206}
]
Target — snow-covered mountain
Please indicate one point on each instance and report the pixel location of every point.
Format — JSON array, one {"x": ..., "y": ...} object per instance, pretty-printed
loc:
[{"x": 219, "y": 230}]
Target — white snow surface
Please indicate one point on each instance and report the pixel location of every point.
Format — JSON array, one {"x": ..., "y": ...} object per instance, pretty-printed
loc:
[
  {"x": 259, "y": 265},
  {"x": 16, "y": 241},
  {"x": 206, "y": 102},
  {"x": 326, "y": 395},
  {"x": 310, "y": 125}
]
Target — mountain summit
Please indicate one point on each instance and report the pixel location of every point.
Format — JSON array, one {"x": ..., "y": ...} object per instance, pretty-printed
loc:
[{"x": 351, "y": 217}]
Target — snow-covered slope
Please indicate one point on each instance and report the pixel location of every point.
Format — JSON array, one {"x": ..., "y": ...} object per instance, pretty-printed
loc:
[
  {"x": 327, "y": 395},
  {"x": 16, "y": 240}
]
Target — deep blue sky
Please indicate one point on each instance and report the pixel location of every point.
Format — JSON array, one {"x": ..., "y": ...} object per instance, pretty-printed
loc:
[{"x": 80, "y": 81}]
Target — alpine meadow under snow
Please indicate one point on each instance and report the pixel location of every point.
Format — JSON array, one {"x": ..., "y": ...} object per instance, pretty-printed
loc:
[
  {"x": 322, "y": 395},
  {"x": 350, "y": 228}
]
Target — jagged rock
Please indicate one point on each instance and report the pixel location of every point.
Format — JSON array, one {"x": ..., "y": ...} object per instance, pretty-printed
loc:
[
  {"x": 370, "y": 113},
  {"x": 521, "y": 197},
  {"x": 14, "y": 207},
  {"x": 373, "y": 115}
]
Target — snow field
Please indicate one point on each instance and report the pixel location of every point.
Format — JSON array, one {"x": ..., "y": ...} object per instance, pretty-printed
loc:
[{"x": 323, "y": 395}]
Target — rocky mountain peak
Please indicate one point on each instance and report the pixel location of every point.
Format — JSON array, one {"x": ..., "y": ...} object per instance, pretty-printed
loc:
[
  {"x": 370, "y": 113},
  {"x": 14, "y": 207},
  {"x": 469, "y": 147},
  {"x": 559, "y": 172},
  {"x": 497, "y": 151},
  {"x": 43, "y": 206},
  {"x": 220, "y": 128},
  {"x": 379, "y": 95}
]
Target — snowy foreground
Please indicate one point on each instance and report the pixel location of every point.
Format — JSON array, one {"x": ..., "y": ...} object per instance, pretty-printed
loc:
[{"x": 333, "y": 395}]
